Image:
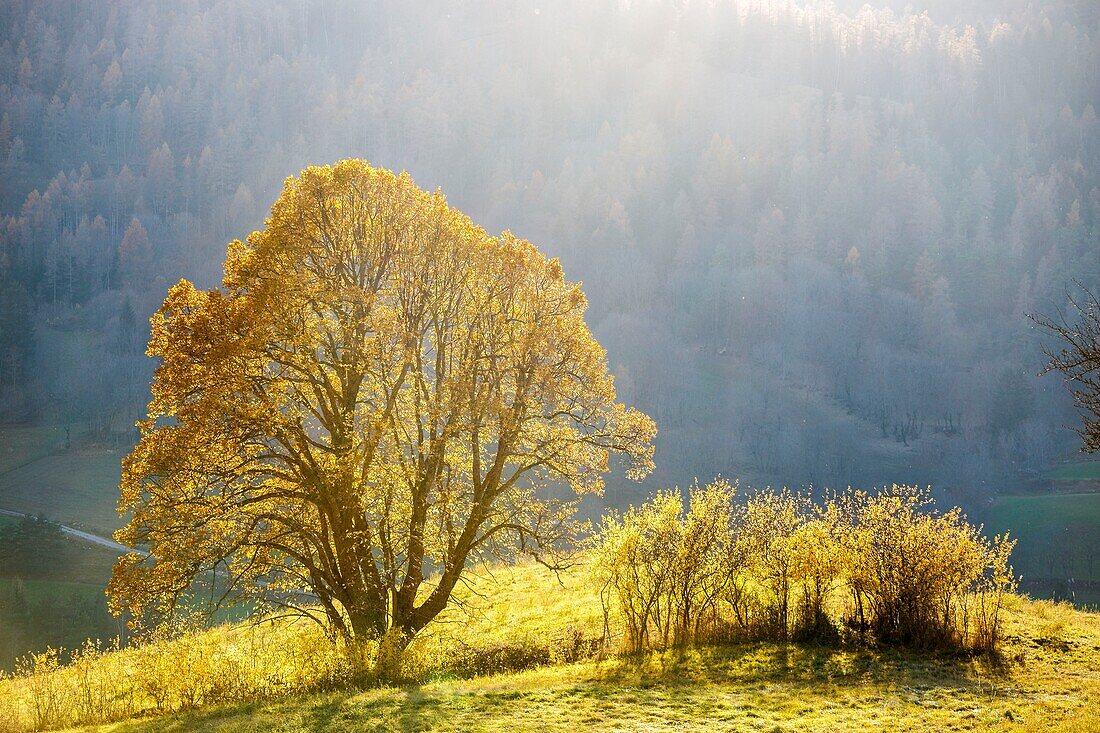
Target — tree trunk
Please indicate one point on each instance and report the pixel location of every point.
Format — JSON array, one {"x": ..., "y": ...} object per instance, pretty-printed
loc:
[
  {"x": 366, "y": 623},
  {"x": 391, "y": 655}
]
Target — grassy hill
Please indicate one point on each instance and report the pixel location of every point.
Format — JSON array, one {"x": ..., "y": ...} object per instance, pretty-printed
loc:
[
  {"x": 53, "y": 469},
  {"x": 519, "y": 654},
  {"x": 523, "y": 621}
]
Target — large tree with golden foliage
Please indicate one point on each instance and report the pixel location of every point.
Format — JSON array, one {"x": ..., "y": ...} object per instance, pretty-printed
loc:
[{"x": 379, "y": 395}]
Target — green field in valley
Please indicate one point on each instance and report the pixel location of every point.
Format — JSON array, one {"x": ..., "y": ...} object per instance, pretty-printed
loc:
[
  {"x": 76, "y": 485},
  {"x": 22, "y": 444},
  {"x": 1076, "y": 471},
  {"x": 1059, "y": 538},
  {"x": 51, "y": 590},
  {"x": 35, "y": 614}
]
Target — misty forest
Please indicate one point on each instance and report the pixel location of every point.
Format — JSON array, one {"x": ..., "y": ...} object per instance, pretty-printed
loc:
[{"x": 549, "y": 336}]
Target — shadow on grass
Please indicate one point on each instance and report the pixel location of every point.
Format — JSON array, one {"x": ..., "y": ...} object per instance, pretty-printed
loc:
[
  {"x": 797, "y": 664},
  {"x": 391, "y": 709}
]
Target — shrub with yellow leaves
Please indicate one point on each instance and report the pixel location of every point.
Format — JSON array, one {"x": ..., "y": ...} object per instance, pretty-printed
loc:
[
  {"x": 917, "y": 574},
  {"x": 914, "y": 576},
  {"x": 666, "y": 569},
  {"x": 769, "y": 527}
]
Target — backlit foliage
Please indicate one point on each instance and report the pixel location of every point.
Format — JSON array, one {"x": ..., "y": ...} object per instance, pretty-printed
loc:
[
  {"x": 178, "y": 668},
  {"x": 666, "y": 568},
  {"x": 512, "y": 618},
  {"x": 923, "y": 578},
  {"x": 776, "y": 565},
  {"x": 379, "y": 389},
  {"x": 768, "y": 529}
]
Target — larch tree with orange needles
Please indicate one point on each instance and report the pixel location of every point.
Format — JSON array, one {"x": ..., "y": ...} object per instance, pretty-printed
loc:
[{"x": 379, "y": 395}]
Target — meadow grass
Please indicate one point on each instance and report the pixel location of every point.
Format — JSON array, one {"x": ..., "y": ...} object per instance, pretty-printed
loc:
[
  {"x": 59, "y": 590},
  {"x": 22, "y": 444},
  {"x": 81, "y": 563},
  {"x": 1076, "y": 471},
  {"x": 1059, "y": 534},
  {"x": 1047, "y": 676},
  {"x": 52, "y": 600},
  {"x": 77, "y": 566},
  {"x": 78, "y": 486},
  {"x": 762, "y": 687},
  {"x": 1023, "y": 514}
]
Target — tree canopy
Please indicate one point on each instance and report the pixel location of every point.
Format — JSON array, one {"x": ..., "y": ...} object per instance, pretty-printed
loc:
[{"x": 379, "y": 393}]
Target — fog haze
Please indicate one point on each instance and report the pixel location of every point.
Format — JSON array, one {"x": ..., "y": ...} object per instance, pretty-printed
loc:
[{"x": 810, "y": 233}]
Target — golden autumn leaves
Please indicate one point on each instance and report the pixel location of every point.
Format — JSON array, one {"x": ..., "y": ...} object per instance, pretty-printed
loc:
[
  {"x": 779, "y": 565},
  {"x": 379, "y": 391}
]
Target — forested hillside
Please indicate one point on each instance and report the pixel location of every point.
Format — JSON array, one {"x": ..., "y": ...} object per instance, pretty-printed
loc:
[{"x": 810, "y": 235}]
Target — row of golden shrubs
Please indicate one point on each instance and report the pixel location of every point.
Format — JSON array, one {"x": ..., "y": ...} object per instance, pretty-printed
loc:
[
  {"x": 879, "y": 568},
  {"x": 779, "y": 566}
]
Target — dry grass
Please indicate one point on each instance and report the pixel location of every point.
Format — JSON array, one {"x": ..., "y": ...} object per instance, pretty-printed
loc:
[{"x": 1048, "y": 678}]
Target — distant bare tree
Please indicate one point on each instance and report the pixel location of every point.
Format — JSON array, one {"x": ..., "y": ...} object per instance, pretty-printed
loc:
[{"x": 1079, "y": 359}]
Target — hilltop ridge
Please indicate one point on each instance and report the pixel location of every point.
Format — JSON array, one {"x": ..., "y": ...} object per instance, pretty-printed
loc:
[{"x": 1047, "y": 677}]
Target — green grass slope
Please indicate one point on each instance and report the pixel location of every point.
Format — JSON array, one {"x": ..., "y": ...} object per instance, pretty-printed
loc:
[
  {"x": 23, "y": 444},
  {"x": 43, "y": 472},
  {"x": 54, "y": 597},
  {"x": 732, "y": 689}
]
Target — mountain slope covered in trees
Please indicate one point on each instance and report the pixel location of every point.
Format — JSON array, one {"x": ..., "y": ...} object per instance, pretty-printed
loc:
[{"x": 810, "y": 233}]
